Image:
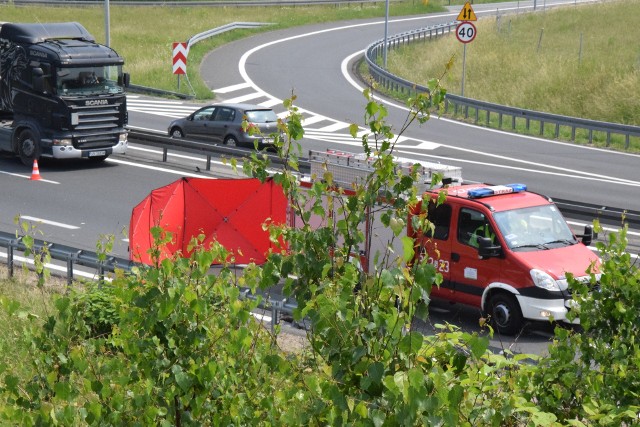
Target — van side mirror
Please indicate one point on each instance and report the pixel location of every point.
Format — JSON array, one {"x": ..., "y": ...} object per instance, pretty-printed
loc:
[
  {"x": 126, "y": 79},
  {"x": 486, "y": 248},
  {"x": 587, "y": 237}
]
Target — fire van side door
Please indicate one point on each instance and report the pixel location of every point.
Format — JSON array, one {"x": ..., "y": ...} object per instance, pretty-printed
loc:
[
  {"x": 470, "y": 274},
  {"x": 435, "y": 246}
]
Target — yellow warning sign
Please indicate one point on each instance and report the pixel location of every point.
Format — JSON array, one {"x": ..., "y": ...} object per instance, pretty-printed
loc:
[{"x": 467, "y": 13}]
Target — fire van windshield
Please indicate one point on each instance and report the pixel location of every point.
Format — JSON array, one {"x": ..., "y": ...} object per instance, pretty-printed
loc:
[{"x": 534, "y": 228}]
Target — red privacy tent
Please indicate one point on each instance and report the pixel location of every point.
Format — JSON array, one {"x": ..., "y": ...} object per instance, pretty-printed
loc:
[{"x": 229, "y": 211}]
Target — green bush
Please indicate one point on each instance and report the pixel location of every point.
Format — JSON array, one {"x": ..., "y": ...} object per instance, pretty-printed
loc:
[{"x": 592, "y": 377}]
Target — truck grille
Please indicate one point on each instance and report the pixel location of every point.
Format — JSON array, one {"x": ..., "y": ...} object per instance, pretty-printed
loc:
[{"x": 98, "y": 126}]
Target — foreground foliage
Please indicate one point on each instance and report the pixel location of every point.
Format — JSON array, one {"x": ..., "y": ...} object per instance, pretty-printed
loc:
[
  {"x": 176, "y": 344},
  {"x": 593, "y": 377}
]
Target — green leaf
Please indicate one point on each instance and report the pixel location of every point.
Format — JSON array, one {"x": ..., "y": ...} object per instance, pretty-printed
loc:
[
  {"x": 407, "y": 249},
  {"x": 353, "y": 130},
  {"x": 79, "y": 360},
  {"x": 11, "y": 383},
  {"x": 337, "y": 397},
  {"x": 459, "y": 362},
  {"x": 411, "y": 343},
  {"x": 182, "y": 378},
  {"x": 456, "y": 393},
  {"x": 362, "y": 410},
  {"x": 478, "y": 346},
  {"x": 375, "y": 372},
  {"x": 62, "y": 390}
]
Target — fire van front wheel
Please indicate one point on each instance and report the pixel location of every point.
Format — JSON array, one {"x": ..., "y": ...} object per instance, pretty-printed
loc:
[
  {"x": 505, "y": 314},
  {"x": 28, "y": 147}
]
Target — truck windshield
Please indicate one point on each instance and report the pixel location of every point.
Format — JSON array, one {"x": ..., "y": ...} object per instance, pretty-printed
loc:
[
  {"x": 534, "y": 228},
  {"x": 95, "y": 80}
]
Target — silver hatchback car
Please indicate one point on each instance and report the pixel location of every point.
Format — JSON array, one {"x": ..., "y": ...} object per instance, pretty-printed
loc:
[{"x": 222, "y": 124}]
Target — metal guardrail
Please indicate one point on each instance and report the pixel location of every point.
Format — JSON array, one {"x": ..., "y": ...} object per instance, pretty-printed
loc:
[
  {"x": 207, "y": 149},
  {"x": 395, "y": 83},
  {"x": 67, "y": 254},
  {"x": 605, "y": 214},
  {"x": 222, "y": 29}
]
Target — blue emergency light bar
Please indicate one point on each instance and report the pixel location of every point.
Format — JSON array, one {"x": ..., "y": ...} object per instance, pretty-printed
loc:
[{"x": 495, "y": 190}]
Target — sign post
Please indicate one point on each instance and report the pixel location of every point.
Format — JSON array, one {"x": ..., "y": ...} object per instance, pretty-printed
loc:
[
  {"x": 465, "y": 32},
  {"x": 180, "y": 52}
]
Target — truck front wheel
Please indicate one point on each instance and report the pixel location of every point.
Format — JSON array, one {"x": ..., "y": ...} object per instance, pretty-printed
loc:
[
  {"x": 28, "y": 147},
  {"x": 505, "y": 314}
]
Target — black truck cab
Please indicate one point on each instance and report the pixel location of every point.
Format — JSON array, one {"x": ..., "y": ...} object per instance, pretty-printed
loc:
[{"x": 62, "y": 95}]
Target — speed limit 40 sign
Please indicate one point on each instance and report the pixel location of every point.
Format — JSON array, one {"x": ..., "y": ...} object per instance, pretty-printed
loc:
[{"x": 466, "y": 32}]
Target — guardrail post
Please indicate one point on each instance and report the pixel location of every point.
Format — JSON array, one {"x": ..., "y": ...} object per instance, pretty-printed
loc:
[
  {"x": 10, "y": 258},
  {"x": 69, "y": 271},
  {"x": 165, "y": 150},
  {"x": 100, "y": 274},
  {"x": 276, "y": 306},
  {"x": 208, "y": 167}
]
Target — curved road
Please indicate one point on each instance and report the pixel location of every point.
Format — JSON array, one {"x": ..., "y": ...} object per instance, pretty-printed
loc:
[{"x": 315, "y": 64}]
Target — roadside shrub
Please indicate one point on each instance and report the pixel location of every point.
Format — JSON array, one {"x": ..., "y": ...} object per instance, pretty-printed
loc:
[
  {"x": 97, "y": 305},
  {"x": 592, "y": 376}
]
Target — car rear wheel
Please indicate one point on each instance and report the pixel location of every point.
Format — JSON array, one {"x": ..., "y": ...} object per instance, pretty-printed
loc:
[
  {"x": 231, "y": 141},
  {"x": 177, "y": 133},
  {"x": 505, "y": 314}
]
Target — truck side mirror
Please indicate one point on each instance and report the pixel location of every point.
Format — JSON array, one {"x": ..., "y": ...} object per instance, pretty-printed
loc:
[
  {"x": 587, "y": 237},
  {"x": 126, "y": 79},
  {"x": 37, "y": 79},
  {"x": 486, "y": 248}
]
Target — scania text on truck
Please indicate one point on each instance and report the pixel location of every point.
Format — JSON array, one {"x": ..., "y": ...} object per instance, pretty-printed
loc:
[
  {"x": 505, "y": 250},
  {"x": 62, "y": 95}
]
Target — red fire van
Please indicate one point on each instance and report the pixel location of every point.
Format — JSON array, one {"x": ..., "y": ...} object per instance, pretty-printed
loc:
[{"x": 503, "y": 249}]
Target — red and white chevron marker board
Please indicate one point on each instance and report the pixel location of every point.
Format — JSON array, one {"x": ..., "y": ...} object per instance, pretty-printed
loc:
[{"x": 180, "y": 58}]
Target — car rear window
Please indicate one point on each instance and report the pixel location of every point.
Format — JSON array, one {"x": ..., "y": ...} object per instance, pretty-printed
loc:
[{"x": 261, "y": 116}]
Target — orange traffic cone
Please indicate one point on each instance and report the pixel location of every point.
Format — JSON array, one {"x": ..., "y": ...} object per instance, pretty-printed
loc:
[{"x": 35, "y": 175}]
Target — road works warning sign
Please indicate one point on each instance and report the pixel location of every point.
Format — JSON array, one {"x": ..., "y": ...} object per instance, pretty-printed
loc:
[{"x": 467, "y": 13}]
